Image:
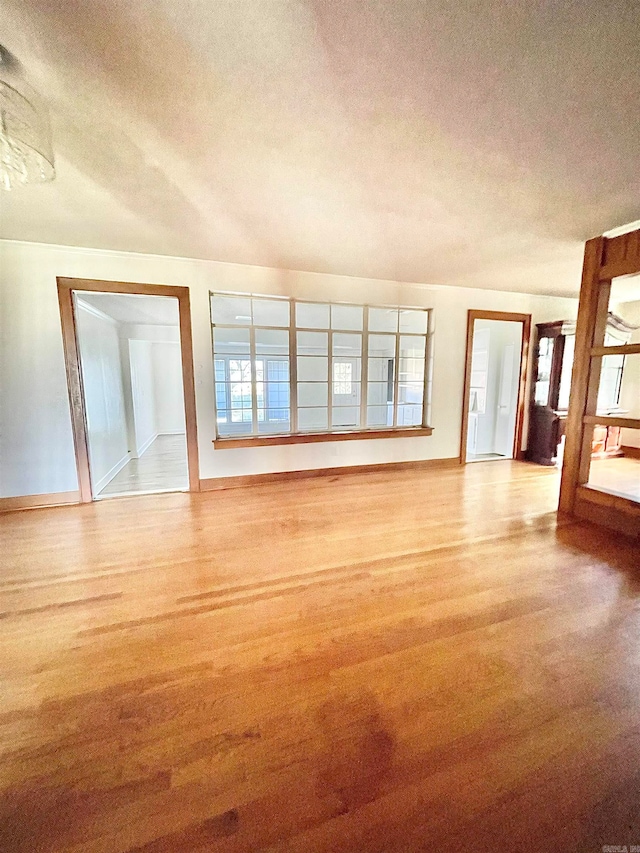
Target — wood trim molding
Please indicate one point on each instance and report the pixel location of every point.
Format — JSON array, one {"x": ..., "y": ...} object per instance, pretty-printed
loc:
[
  {"x": 611, "y": 420},
  {"x": 39, "y": 501},
  {"x": 510, "y": 317},
  {"x": 607, "y": 497},
  {"x": 66, "y": 287},
  {"x": 622, "y": 349},
  {"x": 608, "y": 516},
  {"x": 218, "y": 483},
  {"x": 316, "y": 438},
  {"x": 630, "y": 452}
]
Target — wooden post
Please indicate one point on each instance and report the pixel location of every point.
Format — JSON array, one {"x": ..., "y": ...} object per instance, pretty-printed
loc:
[{"x": 585, "y": 326}]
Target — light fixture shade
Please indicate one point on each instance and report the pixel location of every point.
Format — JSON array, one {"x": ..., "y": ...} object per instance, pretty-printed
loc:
[{"x": 26, "y": 155}]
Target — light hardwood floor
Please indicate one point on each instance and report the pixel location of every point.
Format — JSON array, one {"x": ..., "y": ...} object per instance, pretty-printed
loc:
[
  {"x": 161, "y": 467},
  {"x": 411, "y": 661},
  {"x": 620, "y": 474}
]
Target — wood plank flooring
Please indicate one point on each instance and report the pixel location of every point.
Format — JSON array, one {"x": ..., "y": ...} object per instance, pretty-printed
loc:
[
  {"x": 411, "y": 661},
  {"x": 161, "y": 467}
]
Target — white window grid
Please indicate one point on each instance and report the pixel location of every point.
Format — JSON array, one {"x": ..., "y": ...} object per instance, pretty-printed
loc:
[{"x": 292, "y": 358}]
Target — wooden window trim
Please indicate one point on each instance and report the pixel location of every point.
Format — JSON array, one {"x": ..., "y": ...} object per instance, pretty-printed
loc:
[{"x": 318, "y": 437}]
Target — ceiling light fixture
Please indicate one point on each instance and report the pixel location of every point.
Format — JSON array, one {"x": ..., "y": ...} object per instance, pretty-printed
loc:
[{"x": 26, "y": 155}]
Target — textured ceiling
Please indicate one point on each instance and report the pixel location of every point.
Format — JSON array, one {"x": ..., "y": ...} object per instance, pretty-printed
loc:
[{"x": 470, "y": 143}]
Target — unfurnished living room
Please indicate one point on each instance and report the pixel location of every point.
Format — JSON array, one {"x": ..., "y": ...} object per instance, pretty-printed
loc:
[{"x": 319, "y": 426}]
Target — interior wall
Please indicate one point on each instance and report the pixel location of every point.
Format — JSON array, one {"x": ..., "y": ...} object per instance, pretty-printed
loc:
[
  {"x": 36, "y": 442},
  {"x": 143, "y": 394},
  {"x": 103, "y": 393},
  {"x": 167, "y": 379}
]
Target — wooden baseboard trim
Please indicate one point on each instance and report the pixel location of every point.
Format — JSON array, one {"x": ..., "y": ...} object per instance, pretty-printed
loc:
[
  {"x": 39, "y": 501},
  {"x": 631, "y": 452},
  {"x": 218, "y": 483}
]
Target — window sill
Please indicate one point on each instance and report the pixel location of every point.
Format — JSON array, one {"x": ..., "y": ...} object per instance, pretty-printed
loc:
[{"x": 316, "y": 437}]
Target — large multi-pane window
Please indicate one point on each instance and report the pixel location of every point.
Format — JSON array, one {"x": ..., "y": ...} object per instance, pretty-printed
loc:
[{"x": 290, "y": 366}]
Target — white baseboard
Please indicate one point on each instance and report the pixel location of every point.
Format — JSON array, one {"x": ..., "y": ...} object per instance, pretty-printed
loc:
[
  {"x": 145, "y": 446},
  {"x": 171, "y": 431},
  {"x": 108, "y": 477}
]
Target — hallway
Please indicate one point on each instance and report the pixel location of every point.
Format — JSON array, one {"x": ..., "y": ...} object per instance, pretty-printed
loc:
[{"x": 162, "y": 467}]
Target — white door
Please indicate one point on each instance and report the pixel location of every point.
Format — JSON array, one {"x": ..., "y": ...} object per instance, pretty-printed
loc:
[{"x": 507, "y": 401}]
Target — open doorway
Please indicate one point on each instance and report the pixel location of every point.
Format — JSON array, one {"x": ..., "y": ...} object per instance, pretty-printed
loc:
[
  {"x": 130, "y": 374},
  {"x": 495, "y": 376}
]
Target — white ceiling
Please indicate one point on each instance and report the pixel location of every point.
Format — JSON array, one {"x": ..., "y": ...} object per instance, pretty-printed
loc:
[
  {"x": 476, "y": 143},
  {"x": 134, "y": 308}
]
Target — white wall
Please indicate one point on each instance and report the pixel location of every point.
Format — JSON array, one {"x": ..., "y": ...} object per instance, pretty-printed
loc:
[
  {"x": 143, "y": 394},
  {"x": 167, "y": 382},
  {"x": 103, "y": 393},
  {"x": 36, "y": 450}
]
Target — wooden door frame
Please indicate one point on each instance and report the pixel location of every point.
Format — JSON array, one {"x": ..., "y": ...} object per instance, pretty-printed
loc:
[
  {"x": 509, "y": 317},
  {"x": 66, "y": 287}
]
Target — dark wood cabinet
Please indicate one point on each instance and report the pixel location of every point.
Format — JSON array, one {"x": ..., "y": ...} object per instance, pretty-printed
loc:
[
  {"x": 549, "y": 391},
  {"x": 552, "y": 364}
]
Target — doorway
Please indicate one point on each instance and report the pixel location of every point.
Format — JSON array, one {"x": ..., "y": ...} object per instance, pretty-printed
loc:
[
  {"x": 495, "y": 378},
  {"x": 130, "y": 375}
]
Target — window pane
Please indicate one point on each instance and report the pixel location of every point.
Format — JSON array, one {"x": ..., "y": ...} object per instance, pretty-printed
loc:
[
  {"x": 271, "y": 312},
  {"x": 347, "y": 344},
  {"x": 383, "y": 319},
  {"x": 230, "y": 310},
  {"x": 273, "y": 421},
  {"x": 412, "y": 346},
  {"x": 278, "y": 395},
  {"x": 410, "y": 392},
  {"x": 567, "y": 367},
  {"x": 345, "y": 416},
  {"x": 272, "y": 342},
  {"x": 545, "y": 356},
  {"x": 311, "y": 315},
  {"x": 379, "y": 416},
  {"x": 313, "y": 343},
  {"x": 341, "y": 397},
  {"x": 380, "y": 369},
  {"x": 313, "y": 393},
  {"x": 346, "y": 317},
  {"x": 220, "y": 370},
  {"x": 411, "y": 369},
  {"x": 313, "y": 369},
  {"x": 342, "y": 377},
  {"x": 221, "y": 395},
  {"x": 313, "y": 419},
  {"x": 231, "y": 341},
  {"x": 382, "y": 345},
  {"x": 414, "y": 322},
  {"x": 377, "y": 394},
  {"x": 409, "y": 415},
  {"x": 611, "y": 383},
  {"x": 278, "y": 369},
  {"x": 239, "y": 370},
  {"x": 231, "y": 423},
  {"x": 619, "y": 392}
]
